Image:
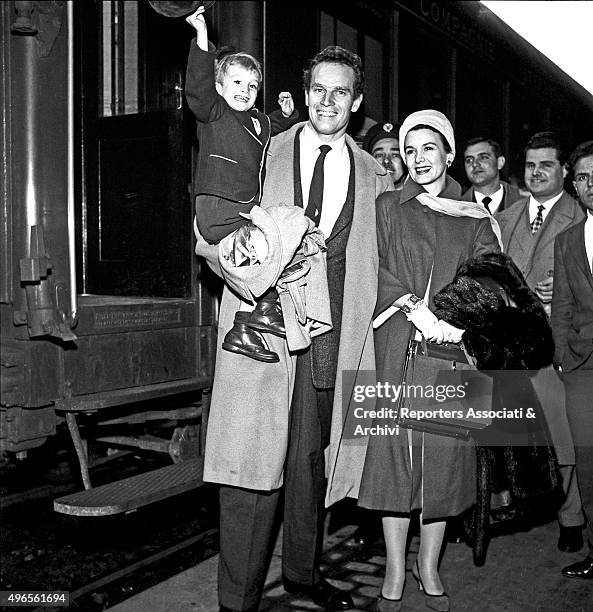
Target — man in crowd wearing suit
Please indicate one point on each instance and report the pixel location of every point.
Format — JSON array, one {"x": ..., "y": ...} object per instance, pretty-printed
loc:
[
  {"x": 313, "y": 160},
  {"x": 529, "y": 228},
  {"x": 572, "y": 326},
  {"x": 483, "y": 160}
]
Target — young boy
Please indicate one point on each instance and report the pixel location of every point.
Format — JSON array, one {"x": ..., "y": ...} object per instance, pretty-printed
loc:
[{"x": 233, "y": 137}]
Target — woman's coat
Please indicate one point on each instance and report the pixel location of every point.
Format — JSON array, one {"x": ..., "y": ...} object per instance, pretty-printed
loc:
[{"x": 412, "y": 239}]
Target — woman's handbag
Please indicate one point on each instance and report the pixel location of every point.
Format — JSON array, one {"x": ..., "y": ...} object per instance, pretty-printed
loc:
[{"x": 442, "y": 392}]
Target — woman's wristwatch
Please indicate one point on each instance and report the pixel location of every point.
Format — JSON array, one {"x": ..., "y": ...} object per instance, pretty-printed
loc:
[{"x": 412, "y": 303}]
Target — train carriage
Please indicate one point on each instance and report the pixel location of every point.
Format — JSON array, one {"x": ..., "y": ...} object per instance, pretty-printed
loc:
[{"x": 107, "y": 316}]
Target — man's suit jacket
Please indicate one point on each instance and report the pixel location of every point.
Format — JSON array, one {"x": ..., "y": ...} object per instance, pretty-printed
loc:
[
  {"x": 535, "y": 258},
  {"x": 510, "y": 195},
  {"x": 572, "y": 304}
]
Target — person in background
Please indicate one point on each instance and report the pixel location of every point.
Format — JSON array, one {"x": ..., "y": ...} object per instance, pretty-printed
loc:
[
  {"x": 572, "y": 327},
  {"x": 529, "y": 228},
  {"x": 382, "y": 142},
  {"x": 483, "y": 161}
]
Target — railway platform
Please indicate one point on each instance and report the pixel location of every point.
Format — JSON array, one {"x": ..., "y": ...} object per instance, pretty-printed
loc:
[{"x": 521, "y": 574}]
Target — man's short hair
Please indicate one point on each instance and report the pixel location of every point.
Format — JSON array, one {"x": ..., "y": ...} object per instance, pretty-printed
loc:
[
  {"x": 496, "y": 148},
  {"x": 547, "y": 140},
  {"x": 337, "y": 55},
  {"x": 585, "y": 149},
  {"x": 245, "y": 60}
]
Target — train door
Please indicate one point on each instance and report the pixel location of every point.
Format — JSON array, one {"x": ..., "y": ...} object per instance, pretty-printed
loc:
[{"x": 135, "y": 215}]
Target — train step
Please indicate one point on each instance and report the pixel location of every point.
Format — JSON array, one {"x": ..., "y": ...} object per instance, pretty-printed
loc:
[{"x": 134, "y": 492}]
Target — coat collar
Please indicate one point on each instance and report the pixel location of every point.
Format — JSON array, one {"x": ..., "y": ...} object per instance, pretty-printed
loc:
[
  {"x": 563, "y": 214},
  {"x": 411, "y": 189}
]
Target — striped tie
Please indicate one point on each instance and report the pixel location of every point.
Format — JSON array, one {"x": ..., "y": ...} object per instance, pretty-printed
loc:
[{"x": 539, "y": 219}]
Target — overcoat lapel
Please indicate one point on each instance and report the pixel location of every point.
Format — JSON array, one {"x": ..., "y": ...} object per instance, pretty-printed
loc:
[
  {"x": 516, "y": 215},
  {"x": 345, "y": 216}
]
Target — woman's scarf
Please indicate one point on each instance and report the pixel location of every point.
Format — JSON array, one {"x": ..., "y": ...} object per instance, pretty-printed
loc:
[{"x": 457, "y": 208}]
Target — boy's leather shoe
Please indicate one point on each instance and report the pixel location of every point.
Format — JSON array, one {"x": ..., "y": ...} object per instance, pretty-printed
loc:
[
  {"x": 571, "y": 539},
  {"x": 322, "y": 593},
  {"x": 267, "y": 317},
  {"x": 244, "y": 340},
  {"x": 581, "y": 569}
]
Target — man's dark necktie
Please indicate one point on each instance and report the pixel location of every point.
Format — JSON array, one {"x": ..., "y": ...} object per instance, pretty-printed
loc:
[
  {"x": 539, "y": 219},
  {"x": 486, "y": 201},
  {"x": 313, "y": 210}
]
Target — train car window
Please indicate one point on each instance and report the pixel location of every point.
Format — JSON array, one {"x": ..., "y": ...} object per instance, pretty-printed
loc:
[
  {"x": 528, "y": 115},
  {"x": 373, "y": 72},
  {"x": 346, "y": 36},
  {"x": 480, "y": 104},
  {"x": 120, "y": 58},
  {"x": 327, "y": 30},
  {"x": 365, "y": 39},
  {"x": 425, "y": 68}
]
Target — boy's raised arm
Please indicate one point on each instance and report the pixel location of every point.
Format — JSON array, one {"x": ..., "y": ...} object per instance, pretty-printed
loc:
[{"x": 197, "y": 21}]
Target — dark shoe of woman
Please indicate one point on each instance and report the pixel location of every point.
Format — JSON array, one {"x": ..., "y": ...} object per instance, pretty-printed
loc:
[
  {"x": 439, "y": 602},
  {"x": 384, "y": 604}
]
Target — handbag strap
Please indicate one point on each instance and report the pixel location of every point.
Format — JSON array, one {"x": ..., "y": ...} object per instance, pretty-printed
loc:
[{"x": 470, "y": 358}]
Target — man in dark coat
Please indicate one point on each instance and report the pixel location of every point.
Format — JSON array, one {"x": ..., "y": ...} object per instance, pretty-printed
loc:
[
  {"x": 572, "y": 326},
  {"x": 529, "y": 228},
  {"x": 483, "y": 160}
]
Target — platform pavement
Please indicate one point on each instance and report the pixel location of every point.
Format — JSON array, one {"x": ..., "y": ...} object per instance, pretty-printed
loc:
[{"x": 521, "y": 574}]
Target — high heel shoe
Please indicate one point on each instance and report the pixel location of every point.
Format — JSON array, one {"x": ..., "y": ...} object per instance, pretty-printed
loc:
[
  {"x": 384, "y": 604},
  {"x": 439, "y": 602}
]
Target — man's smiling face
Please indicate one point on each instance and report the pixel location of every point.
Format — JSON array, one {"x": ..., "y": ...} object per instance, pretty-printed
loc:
[
  {"x": 544, "y": 174},
  {"x": 331, "y": 100}
]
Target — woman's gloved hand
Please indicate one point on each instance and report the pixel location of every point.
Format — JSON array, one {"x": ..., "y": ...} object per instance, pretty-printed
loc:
[
  {"x": 426, "y": 322},
  {"x": 451, "y": 334}
]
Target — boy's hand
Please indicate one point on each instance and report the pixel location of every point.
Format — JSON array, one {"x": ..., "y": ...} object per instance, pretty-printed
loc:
[
  {"x": 197, "y": 21},
  {"x": 286, "y": 103}
]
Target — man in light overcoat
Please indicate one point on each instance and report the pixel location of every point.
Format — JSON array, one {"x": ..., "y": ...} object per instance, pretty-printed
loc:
[{"x": 269, "y": 424}]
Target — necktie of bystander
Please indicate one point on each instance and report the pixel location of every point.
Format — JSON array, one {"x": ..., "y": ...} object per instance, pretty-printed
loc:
[
  {"x": 486, "y": 201},
  {"x": 539, "y": 219}
]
